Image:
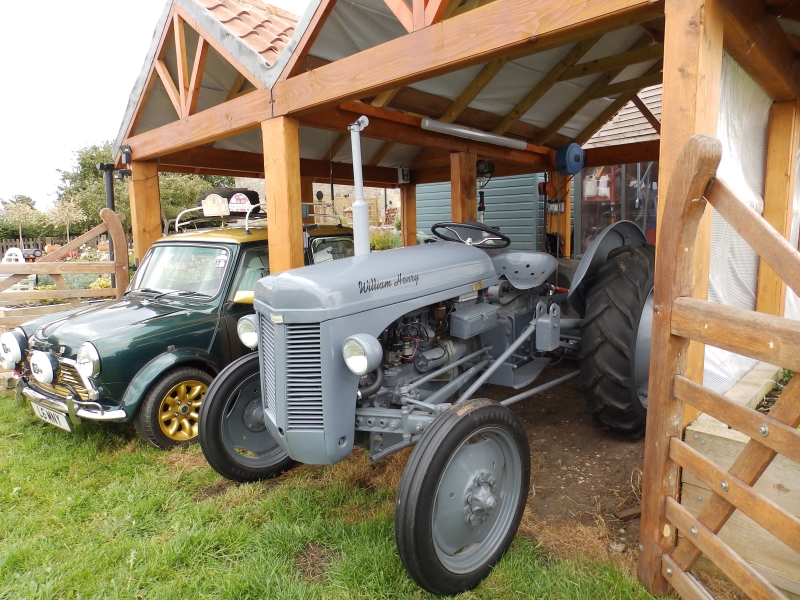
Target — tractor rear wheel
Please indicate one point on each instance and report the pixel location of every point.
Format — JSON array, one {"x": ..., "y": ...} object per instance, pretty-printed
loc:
[{"x": 615, "y": 340}]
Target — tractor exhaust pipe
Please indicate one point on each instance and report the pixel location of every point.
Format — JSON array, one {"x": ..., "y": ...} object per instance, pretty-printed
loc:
[{"x": 360, "y": 207}]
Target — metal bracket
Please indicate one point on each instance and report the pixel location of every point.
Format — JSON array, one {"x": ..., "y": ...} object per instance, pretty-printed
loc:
[{"x": 548, "y": 327}]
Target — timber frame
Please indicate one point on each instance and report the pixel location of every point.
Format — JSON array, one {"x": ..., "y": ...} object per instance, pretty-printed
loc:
[{"x": 679, "y": 43}]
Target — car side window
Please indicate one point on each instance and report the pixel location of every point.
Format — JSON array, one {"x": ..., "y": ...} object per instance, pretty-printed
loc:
[{"x": 253, "y": 266}]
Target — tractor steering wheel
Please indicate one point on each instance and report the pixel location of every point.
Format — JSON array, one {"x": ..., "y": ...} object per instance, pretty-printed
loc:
[{"x": 472, "y": 234}]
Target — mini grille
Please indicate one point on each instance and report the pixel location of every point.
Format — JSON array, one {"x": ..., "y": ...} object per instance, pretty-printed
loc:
[
  {"x": 268, "y": 362},
  {"x": 303, "y": 377},
  {"x": 67, "y": 379}
]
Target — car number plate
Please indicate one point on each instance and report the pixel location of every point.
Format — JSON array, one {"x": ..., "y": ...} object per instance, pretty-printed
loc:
[{"x": 51, "y": 416}]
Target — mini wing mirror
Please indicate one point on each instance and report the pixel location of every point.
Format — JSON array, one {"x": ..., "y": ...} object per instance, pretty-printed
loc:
[{"x": 243, "y": 297}]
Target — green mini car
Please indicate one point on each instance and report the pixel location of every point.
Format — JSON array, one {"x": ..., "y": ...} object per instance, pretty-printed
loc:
[{"x": 151, "y": 355}]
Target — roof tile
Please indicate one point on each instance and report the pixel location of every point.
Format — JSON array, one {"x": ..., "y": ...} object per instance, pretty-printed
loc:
[{"x": 266, "y": 29}]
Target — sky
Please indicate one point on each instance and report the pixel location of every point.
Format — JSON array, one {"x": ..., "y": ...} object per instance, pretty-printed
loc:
[{"x": 67, "y": 69}]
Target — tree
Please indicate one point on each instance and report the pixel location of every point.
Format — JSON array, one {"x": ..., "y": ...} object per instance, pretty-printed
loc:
[
  {"x": 84, "y": 185},
  {"x": 65, "y": 212},
  {"x": 20, "y": 214}
]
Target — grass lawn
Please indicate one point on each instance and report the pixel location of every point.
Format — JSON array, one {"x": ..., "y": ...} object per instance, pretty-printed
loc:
[{"x": 98, "y": 514}]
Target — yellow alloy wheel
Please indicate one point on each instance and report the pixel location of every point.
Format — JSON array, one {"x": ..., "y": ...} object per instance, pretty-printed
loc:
[{"x": 179, "y": 410}]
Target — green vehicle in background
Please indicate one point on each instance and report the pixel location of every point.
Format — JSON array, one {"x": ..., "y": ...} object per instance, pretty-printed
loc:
[{"x": 150, "y": 356}]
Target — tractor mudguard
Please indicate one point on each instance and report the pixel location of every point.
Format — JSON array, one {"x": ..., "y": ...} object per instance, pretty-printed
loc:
[
  {"x": 149, "y": 373},
  {"x": 619, "y": 234}
]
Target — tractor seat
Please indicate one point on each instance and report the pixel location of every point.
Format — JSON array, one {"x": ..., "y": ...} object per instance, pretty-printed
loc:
[{"x": 523, "y": 269}]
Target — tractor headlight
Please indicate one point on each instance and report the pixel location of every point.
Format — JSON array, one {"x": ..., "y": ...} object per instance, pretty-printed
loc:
[
  {"x": 362, "y": 353},
  {"x": 44, "y": 366},
  {"x": 246, "y": 328},
  {"x": 88, "y": 363},
  {"x": 13, "y": 344}
]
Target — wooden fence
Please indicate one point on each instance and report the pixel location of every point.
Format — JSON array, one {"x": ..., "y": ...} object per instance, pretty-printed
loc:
[
  {"x": 666, "y": 559},
  {"x": 50, "y": 265}
]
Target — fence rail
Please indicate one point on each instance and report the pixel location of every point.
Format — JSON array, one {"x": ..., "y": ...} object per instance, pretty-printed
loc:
[
  {"x": 666, "y": 560},
  {"x": 50, "y": 265}
]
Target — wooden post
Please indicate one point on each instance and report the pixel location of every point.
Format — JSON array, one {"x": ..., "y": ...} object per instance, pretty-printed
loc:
[
  {"x": 463, "y": 187},
  {"x": 307, "y": 195},
  {"x": 283, "y": 191},
  {"x": 408, "y": 214},
  {"x": 116, "y": 233},
  {"x": 690, "y": 105},
  {"x": 778, "y": 197},
  {"x": 561, "y": 223},
  {"x": 145, "y": 202}
]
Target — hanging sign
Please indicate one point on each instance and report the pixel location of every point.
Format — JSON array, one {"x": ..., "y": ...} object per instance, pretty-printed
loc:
[
  {"x": 239, "y": 203},
  {"x": 215, "y": 205}
]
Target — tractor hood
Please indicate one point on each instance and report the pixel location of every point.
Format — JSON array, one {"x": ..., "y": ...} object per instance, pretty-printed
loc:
[
  {"x": 106, "y": 323},
  {"x": 352, "y": 285}
]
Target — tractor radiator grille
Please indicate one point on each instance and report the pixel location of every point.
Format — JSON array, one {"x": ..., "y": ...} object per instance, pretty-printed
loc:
[
  {"x": 303, "y": 377},
  {"x": 268, "y": 362}
]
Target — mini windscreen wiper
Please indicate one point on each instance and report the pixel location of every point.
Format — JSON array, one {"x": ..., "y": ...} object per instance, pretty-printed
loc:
[
  {"x": 158, "y": 293},
  {"x": 189, "y": 293}
]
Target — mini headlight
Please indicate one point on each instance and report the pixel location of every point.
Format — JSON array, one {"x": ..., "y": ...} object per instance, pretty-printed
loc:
[
  {"x": 12, "y": 345},
  {"x": 362, "y": 353},
  {"x": 246, "y": 328},
  {"x": 88, "y": 363},
  {"x": 44, "y": 366}
]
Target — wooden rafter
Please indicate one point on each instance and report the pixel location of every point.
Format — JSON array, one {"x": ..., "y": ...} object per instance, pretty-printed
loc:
[
  {"x": 626, "y": 59},
  {"x": 236, "y": 87},
  {"x": 457, "y": 43},
  {"x": 169, "y": 85},
  {"x": 646, "y": 113},
  {"x": 545, "y": 84},
  {"x": 420, "y": 14},
  {"x": 198, "y": 68},
  {"x": 630, "y": 85},
  {"x": 588, "y": 95},
  {"x": 300, "y": 53},
  {"x": 757, "y": 41},
  {"x": 612, "y": 109},
  {"x": 183, "y": 67}
]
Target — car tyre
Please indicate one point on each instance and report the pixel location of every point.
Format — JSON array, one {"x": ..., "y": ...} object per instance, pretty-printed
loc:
[
  {"x": 233, "y": 437},
  {"x": 170, "y": 412},
  {"x": 462, "y": 496}
]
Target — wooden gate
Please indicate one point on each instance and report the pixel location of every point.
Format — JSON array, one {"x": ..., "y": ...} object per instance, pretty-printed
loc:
[
  {"x": 49, "y": 265},
  {"x": 678, "y": 318}
]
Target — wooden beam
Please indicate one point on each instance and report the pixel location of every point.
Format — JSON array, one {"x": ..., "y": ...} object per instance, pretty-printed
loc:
[
  {"x": 434, "y": 11},
  {"x": 183, "y": 67},
  {"x": 223, "y": 120},
  {"x": 690, "y": 105},
  {"x": 755, "y": 39},
  {"x": 622, "y": 154},
  {"x": 630, "y": 85},
  {"x": 299, "y": 56},
  {"x": 463, "y": 187},
  {"x": 145, "y": 203},
  {"x": 419, "y": 13},
  {"x": 408, "y": 214},
  {"x": 506, "y": 28},
  {"x": 169, "y": 85},
  {"x": 626, "y": 59},
  {"x": 198, "y": 69},
  {"x": 589, "y": 94},
  {"x": 403, "y": 13},
  {"x": 646, "y": 113},
  {"x": 612, "y": 109},
  {"x": 380, "y": 101},
  {"x": 236, "y": 87},
  {"x": 283, "y": 191},
  {"x": 411, "y": 133},
  {"x": 474, "y": 88},
  {"x": 781, "y": 171}
]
